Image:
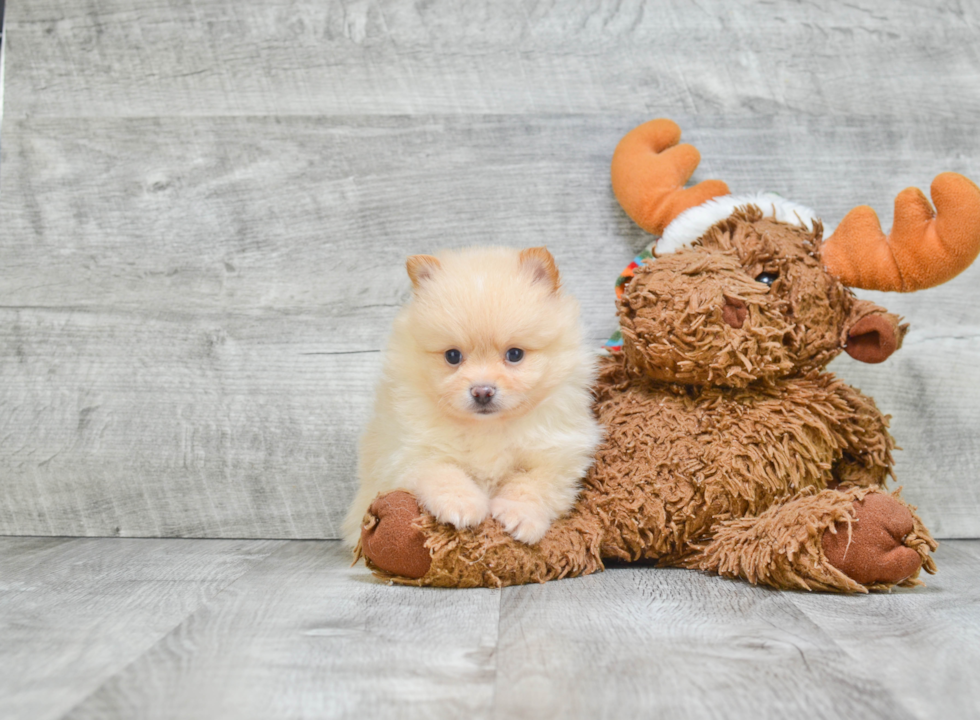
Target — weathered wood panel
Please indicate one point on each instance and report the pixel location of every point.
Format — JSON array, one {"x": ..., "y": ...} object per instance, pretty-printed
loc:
[
  {"x": 271, "y": 213},
  {"x": 178, "y": 286},
  {"x": 128, "y": 424},
  {"x": 304, "y": 212},
  {"x": 923, "y": 645},
  {"x": 301, "y": 57},
  {"x": 673, "y": 643},
  {"x": 74, "y": 613},
  {"x": 112, "y": 628},
  {"x": 174, "y": 331},
  {"x": 303, "y": 635}
]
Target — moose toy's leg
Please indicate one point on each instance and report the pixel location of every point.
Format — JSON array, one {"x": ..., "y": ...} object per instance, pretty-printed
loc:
[
  {"x": 402, "y": 543},
  {"x": 854, "y": 540}
]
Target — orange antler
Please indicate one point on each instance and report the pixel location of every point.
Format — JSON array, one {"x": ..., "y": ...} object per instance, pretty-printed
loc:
[
  {"x": 649, "y": 170},
  {"x": 924, "y": 249}
]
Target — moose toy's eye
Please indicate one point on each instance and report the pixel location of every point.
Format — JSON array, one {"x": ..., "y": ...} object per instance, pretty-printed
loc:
[
  {"x": 767, "y": 278},
  {"x": 515, "y": 355},
  {"x": 454, "y": 357}
]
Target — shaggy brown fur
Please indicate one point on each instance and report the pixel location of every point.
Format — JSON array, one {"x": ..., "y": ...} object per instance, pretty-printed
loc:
[{"x": 728, "y": 447}]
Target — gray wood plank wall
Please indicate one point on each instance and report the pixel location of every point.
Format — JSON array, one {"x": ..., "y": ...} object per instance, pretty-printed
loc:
[{"x": 205, "y": 208}]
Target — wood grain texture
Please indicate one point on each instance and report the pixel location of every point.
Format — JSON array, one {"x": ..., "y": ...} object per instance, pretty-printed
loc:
[
  {"x": 73, "y": 613},
  {"x": 301, "y": 57},
  {"x": 923, "y": 646},
  {"x": 673, "y": 643},
  {"x": 228, "y": 213},
  {"x": 306, "y": 636},
  {"x": 123, "y": 424},
  {"x": 122, "y": 629},
  {"x": 198, "y": 359},
  {"x": 205, "y": 211},
  {"x": 281, "y": 213}
]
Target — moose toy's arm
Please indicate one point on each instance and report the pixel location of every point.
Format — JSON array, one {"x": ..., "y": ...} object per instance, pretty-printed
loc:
[
  {"x": 866, "y": 459},
  {"x": 869, "y": 334}
]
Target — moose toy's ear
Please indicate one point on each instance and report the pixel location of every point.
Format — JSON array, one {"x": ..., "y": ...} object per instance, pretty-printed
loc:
[
  {"x": 542, "y": 265},
  {"x": 872, "y": 334},
  {"x": 421, "y": 268}
]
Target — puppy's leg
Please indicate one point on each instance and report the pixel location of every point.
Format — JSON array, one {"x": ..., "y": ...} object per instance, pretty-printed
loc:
[
  {"x": 451, "y": 495},
  {"x": 528, "y": 503}
]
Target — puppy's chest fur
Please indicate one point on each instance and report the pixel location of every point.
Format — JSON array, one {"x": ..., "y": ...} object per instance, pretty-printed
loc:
[{"x": 489, "y": 455}]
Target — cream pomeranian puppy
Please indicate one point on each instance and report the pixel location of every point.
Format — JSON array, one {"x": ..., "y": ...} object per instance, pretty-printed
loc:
[{"x": 484, "y": 407}]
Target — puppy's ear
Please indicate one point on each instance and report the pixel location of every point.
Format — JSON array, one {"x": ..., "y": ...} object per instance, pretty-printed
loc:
[
  {"x": 542, "y": 266},
  {"x": 421, "y": 268}
]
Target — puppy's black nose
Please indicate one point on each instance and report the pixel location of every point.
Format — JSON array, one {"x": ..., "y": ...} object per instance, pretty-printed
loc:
[{"x": 483, "y": 394}]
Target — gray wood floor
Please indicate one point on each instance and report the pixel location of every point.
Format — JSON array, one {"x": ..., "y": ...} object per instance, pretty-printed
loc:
[{"x": 213, "y": 629}]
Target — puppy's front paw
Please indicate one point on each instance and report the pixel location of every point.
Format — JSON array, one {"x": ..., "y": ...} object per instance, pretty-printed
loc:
[
  {"x": 525, "y": 520},
  {"x": 462, "y": 506}
]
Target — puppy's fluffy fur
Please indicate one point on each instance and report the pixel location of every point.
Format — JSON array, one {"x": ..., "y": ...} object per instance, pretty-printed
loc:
[{"x": 486, "y": 436}]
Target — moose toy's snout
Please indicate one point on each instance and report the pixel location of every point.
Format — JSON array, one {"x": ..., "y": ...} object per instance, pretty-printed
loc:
[{"x": 734, "y": 312}]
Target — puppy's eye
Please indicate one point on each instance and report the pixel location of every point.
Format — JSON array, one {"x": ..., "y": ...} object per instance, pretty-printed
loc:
[
  {"x": 767, "y": 278},
  {"x": 515, "y": 355},
  {"x": 454, "y": 357}
]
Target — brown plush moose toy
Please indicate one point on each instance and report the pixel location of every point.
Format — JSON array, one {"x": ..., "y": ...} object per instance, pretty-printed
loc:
[{"x": 728, "y": 446}]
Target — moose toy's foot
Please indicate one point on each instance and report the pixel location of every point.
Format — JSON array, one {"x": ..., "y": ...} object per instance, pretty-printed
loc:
[
  {"x": 881, "y": 545},
  {"x": 390, "y": 538}
]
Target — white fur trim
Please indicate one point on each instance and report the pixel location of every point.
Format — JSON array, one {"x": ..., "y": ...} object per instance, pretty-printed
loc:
[{"x": 695, "y": 222}]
